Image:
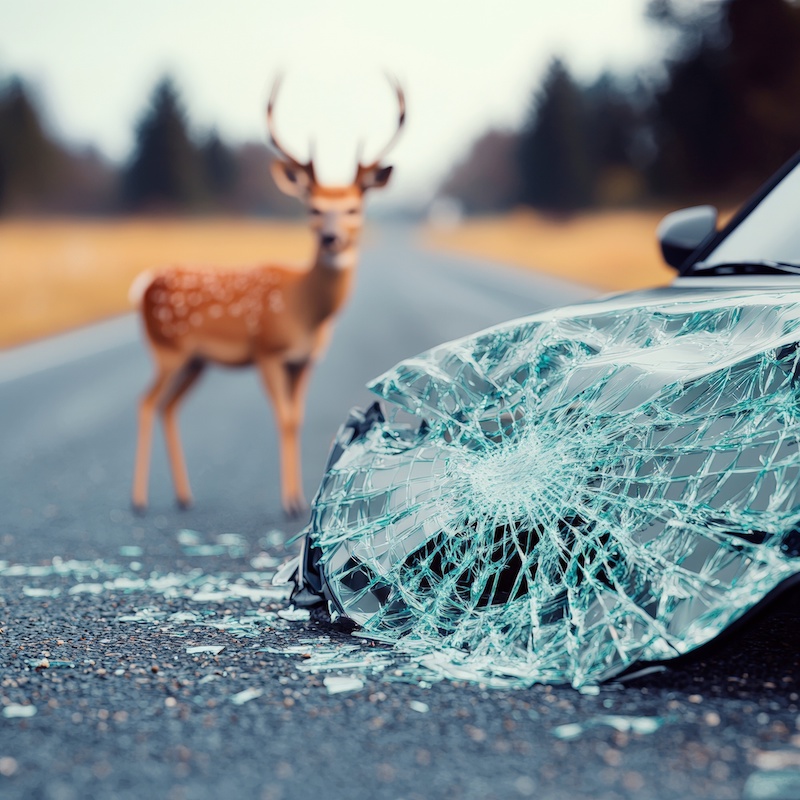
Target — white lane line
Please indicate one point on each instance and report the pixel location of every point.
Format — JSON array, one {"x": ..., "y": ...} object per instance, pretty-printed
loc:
[{"x": 28, "y": 359}]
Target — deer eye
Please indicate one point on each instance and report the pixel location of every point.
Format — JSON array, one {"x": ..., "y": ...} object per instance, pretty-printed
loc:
[
  {"x": 315, "y": 212},
  {"x": 352, "y": 211}
]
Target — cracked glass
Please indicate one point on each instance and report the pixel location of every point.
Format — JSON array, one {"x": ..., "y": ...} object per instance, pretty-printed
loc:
[{"x": 561, "y": 497}]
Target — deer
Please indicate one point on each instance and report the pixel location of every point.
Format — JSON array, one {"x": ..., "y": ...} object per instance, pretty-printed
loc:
[{"x": 273, "y": 317}]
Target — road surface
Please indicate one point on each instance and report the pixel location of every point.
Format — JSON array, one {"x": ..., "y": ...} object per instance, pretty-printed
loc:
[{"x": 99, "y": 608}]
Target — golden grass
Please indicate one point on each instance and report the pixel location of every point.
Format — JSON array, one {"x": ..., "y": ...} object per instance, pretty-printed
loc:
[
  {"x": 612, "y": 250},
  {"x": 56, "y": 275}
]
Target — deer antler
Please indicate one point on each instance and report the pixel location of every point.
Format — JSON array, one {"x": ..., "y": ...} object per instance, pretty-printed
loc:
[
  {"x": 309, "y": 165},
  {"x": 401, "y": 101}
]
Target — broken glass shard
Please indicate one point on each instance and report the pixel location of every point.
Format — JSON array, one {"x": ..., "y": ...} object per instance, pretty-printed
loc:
[
  {"x": 232, "y": 540},
  {"x": 188, "y": 538},
  {"x": 16, "y": 711},
  {"x": 275, "y": 537},
  {"x": 334, "y": 659},
  {"x": 36, "y": 591},
  {"x": 638, "y": 725},
  {"x": 245, "y": 696},
  {"x": 294, "y": 614},
  {"x": 775, "y": 759},
  {"x": 205, "y": 550},
  {"x": 86, "y": 588},
  {"x": 339, "y": 684},
  {"x": 46, "y": 663},
  {"x": 775, "y": 785},
  {"x": 264, "y": 561},
  {"x": 561, "y": 497}
]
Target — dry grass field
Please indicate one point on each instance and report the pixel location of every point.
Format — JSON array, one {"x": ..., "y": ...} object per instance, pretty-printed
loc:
[
  {"x": 56, "y": 275},
  {"x": 613, "y": 250}
]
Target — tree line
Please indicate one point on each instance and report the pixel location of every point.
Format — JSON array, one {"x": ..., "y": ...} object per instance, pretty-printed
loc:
[
  {"x": 171, "y": 169},
  {"x": 710, "y": 123}
]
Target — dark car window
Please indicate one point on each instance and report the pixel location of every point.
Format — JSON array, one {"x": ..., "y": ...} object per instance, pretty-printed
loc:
[{"x": 770, "y": 234}]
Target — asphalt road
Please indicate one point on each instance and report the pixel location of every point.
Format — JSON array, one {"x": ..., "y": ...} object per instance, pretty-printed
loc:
[{"x": 113, "y": 602}]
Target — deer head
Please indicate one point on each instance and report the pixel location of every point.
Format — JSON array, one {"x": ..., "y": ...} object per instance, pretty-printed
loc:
[{"x": 335, "y": 212}]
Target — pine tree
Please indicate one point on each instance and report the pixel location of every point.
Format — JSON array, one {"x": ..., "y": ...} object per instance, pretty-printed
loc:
[
  {"x": 219, "y": 166},
  {"x": 166, "y": 169},
  {"x": 29, "y": 160},
  {"x": 727, "y": 115},
  {"x": 618, "y": 146},
  {"x": 554, "y": 157}
]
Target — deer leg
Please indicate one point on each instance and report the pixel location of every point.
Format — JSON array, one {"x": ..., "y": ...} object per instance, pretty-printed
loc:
[
  {"x": 147, "y": 409},
  {"x": 169, "y": 415},
  {"x": 298, "y": 385},
  {"x": 285, "y": 384}
]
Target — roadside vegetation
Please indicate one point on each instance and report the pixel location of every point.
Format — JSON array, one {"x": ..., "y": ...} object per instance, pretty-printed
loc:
[
  {"x": 69, "y": 272},
  {"x": 611, "y": 250},
  {"x": 708, "y": 123}
]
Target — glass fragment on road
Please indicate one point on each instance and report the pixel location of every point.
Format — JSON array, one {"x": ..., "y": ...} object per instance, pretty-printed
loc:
[
  {"x": 37, "y": 591},
  {"x": 188, "y": 538},
  {"x": 773, "y": 785},
  {"x": 264, "y": 561},
  {"x": 275, "y": 538},
  {"x": 339, "y": 684},
  {"x": 245, "y": 696},
  {"x": 86, "y": 588},
  {"x": 770, "y": 760},
  {"x": 564, "y": 496},
  {"x": 623, "y": 724},
  {"x": 206, "y": 550},
  {"x": 49, "y": 663},
  {"x": 294, "y": 614},
  {"x": 345, "y": 657},
  {"x": 233, "y": 545},
  {"x": 16, "y": 711}
]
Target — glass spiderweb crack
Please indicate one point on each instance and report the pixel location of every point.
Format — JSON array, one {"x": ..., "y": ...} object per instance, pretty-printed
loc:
[{"x": 581, "y": 490}]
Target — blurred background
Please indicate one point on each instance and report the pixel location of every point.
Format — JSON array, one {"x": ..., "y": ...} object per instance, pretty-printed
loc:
[{"x": 553, "y": 136}]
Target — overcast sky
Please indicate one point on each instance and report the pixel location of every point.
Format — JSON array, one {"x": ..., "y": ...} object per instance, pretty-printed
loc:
[{"x": 94, "y": 63}]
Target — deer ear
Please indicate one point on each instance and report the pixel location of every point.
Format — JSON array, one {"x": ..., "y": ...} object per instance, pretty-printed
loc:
[
  {"x": 291, "y": 179},
  {"x": 373, "y": 177}
]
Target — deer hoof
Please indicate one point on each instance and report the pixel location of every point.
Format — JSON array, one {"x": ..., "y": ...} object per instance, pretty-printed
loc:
[
  {"x": 294, "y": 507},
  {"x": 185, "y": 503},
  {"x": 139, "y": 509}
]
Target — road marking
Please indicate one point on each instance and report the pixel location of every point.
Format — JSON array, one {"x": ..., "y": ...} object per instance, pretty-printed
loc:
[{"x": 66, "y": 348}]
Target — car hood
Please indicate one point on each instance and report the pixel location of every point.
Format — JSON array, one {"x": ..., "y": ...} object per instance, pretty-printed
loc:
[{"x": 565, "y": 495}]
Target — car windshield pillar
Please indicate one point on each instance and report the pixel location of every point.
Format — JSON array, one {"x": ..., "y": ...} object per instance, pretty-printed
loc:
[{"x": 768, "y": 236}]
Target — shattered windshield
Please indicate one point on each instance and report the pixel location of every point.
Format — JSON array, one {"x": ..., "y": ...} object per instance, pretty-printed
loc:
[
  {"x": 576, "y": 492},
  {"x": 768, "y": 237}
]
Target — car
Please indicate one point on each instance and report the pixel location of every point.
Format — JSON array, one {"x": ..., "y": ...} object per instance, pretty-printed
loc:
[{"x": 582, "y": 492}]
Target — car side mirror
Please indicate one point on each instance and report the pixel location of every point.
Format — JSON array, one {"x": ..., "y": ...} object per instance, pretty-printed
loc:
[{"x": 682, "y": 232}]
